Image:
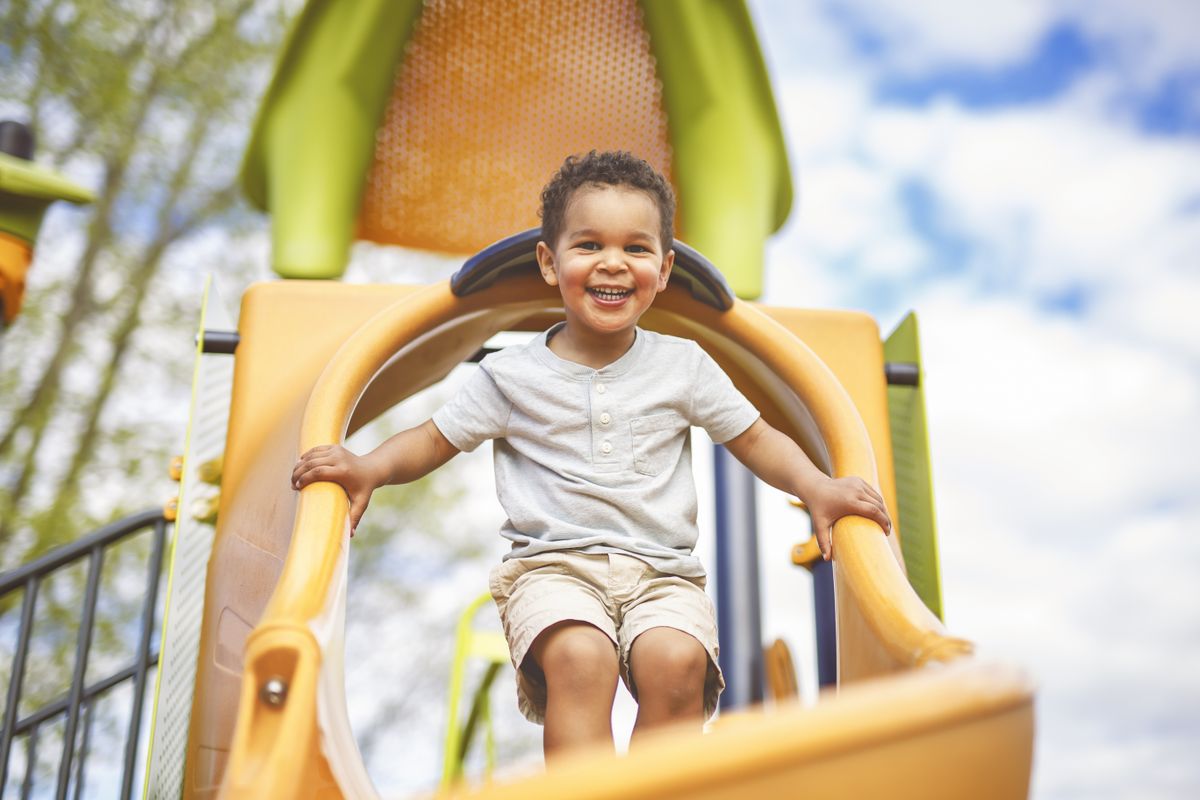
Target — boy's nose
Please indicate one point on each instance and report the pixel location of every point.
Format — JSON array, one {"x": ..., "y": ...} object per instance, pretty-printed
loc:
[{"x": 613, "y": 259}]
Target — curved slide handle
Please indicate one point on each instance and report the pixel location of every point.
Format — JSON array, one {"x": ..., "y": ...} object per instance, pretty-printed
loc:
[{"x": 902, "y": 631}]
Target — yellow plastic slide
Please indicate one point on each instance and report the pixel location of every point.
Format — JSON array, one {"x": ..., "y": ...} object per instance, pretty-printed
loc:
[{"x": 916, "y": 715}]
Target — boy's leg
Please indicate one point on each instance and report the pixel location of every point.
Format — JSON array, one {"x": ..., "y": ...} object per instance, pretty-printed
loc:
[
  {"x": 669, "y": 668},
  {"x": 580, "y": 665},
  {"x": 669, "y": 648}
]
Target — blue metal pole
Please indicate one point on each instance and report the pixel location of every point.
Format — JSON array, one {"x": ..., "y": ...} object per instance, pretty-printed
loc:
[
  {"x": 739, "y": 617},
  {"x": 825, "y": 613}
]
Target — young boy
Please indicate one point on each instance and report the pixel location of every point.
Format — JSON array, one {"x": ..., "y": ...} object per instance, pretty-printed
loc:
[{"x": 593, "y": 467}]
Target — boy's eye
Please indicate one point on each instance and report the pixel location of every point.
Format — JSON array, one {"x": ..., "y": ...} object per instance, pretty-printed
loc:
[
  {"x": 588, "y": 246},
  {"x": 637, "y": 248}
]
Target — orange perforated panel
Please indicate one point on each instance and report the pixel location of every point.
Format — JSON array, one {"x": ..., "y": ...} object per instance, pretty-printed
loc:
[{"x": 489, "y": 99}]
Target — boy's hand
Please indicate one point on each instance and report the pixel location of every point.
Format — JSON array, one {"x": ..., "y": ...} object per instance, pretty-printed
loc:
[
  {"x": 834, "y": 498},
  {"x": 336, "y": 464},
  {"x": 779, "y": 461}
]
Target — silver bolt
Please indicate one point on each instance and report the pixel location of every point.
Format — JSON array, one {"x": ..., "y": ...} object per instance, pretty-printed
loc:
[{"x": 274, "y": 692}]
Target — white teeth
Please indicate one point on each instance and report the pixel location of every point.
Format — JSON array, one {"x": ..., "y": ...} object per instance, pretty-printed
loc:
[{"x": 610, "y": 294}]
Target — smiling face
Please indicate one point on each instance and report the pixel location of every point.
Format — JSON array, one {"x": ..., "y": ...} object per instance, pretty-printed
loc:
[{"x": 609, "y": 263}]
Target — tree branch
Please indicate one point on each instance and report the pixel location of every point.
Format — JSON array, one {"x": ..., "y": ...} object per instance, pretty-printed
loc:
[{"x": 140, "y": 280}]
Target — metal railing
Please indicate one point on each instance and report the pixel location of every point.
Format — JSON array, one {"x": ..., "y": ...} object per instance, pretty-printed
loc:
[{"x": 81, "y": 697}]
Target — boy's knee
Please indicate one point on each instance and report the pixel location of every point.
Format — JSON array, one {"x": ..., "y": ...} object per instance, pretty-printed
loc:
[
  {"x": 576, "y": 655},
  {"x": 668, "y": 661}
]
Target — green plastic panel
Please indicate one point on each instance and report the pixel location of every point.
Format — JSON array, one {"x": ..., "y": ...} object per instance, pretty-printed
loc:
[
  {"x": 314, "y": 138},
  {"x": 27, "y": 190},
  {"x": 312, "y": 144},
  {"x": 914, "y": 479},
  {"x": 728, "y": 156}
]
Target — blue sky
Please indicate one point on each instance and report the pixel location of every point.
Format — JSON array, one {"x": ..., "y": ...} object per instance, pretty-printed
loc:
[
  {"x": 1060, "y": 55},
  {"x": 1026, "y": 177}
]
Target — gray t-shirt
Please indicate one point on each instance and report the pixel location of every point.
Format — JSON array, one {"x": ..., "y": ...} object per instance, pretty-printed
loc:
[{"x": 598, "y": 460}]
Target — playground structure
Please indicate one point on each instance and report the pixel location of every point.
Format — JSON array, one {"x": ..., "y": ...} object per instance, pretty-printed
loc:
[
  {"x": 433, "y": 125},
  {"x": 26, "y": 191},
  {"x": 935, "y": 720}
]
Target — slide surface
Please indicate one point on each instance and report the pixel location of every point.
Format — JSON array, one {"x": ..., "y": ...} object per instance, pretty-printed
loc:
[{"x": 916, "y": 716}]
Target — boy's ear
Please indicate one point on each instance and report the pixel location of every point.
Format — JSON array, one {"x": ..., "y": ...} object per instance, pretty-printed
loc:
[
  {"x": 545, "y": 260},
  {"x": 664, "y": 272}
]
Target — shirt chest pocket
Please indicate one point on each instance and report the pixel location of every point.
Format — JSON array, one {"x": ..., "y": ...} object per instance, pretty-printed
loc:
[{"x": 657, "y": 441}]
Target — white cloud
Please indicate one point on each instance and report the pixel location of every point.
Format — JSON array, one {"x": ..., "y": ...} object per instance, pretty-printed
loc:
[
  {"x": 1160, "y": 313},
  {"x": 1142, "y": 41},
  {"x": 938, "y": 32},
  {"x": 1091, "y": 191},
  {"x": 1054, "y": 440},
  {"x": 1051, "y": 198},
  {"x": 820, "y": 110},
  {"x": 846, "y": 203},
  {"x": 909, "y": 141},
  {"x": 800, "y": 280},
  {"x": 1149, "y": 39},
  {"x": 1070, "y": 417},
  {"x": 1111, "y": 645},
  {"x": 1053, "y": 201},
  {"x": 809, "y": 37},
  {"x": 1065, "y": 444}
]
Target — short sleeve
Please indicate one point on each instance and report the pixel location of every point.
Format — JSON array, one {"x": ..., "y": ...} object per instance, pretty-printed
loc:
[
  {"x": 717, "y": 405},
  {"x": 478, "y": 412}
]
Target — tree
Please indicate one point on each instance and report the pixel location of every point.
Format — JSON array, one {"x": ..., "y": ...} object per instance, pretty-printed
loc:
[{"x": 150, "y": 105}]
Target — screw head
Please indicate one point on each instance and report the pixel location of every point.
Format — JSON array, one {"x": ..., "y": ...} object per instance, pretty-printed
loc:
[{"x": 273, "y": 692}]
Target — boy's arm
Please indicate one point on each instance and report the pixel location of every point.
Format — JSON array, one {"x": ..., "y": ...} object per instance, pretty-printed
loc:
[
  {"x": 405, "y": 457},
  {"x": 777, "y": 460}
]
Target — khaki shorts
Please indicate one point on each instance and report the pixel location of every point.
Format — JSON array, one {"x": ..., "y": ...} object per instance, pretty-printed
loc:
[{"x": 621, "y": 595}]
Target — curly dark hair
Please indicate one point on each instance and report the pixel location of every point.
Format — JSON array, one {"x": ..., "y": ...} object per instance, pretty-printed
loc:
[{"x": 610, "y": 168}]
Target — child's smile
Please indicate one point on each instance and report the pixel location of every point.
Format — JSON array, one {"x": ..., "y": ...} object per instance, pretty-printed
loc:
[
  {"x": 608, "y": 296},
  {"x": 609, "y": 264}
]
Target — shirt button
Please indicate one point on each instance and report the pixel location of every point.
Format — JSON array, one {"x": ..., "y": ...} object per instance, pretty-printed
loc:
[
  {"x": 605, "y": 418},
  {"x": 600, "y": 388},
  {"x": 606, "y": 448}
]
